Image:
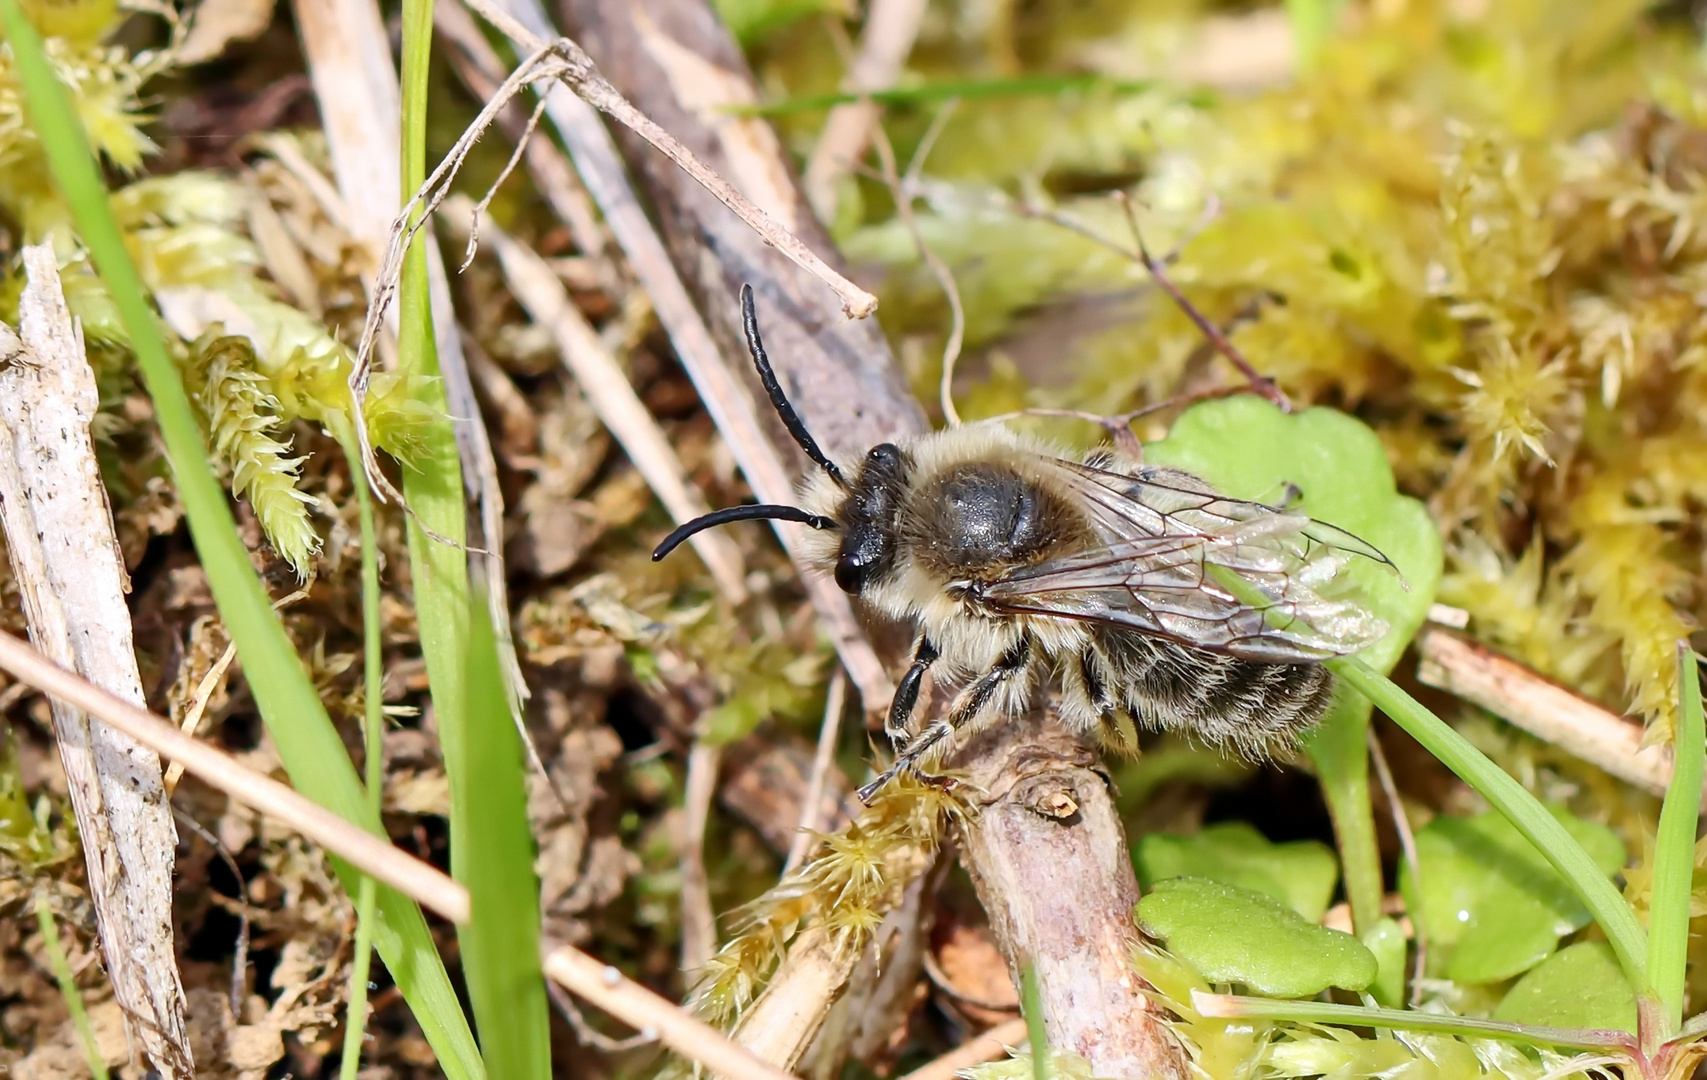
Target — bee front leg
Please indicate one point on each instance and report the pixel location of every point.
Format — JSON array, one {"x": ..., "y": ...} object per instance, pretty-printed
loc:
[
  {"x": 899, "y": 725},
  {"x": 966, "y": 707}
]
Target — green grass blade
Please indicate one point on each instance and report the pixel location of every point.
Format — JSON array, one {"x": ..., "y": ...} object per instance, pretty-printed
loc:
[
  {"x": 1674, "y": 851},
  {"x": 1034, "y": 1032},
  {"x": 295, "y": 717},
  {"x": 1229, "y": 1006},
  {"x": 373, "y": 728},
  {"x": 964, "y": 90},
  {"x": 68, "y": 987},
  {"x": 1506, "y": 795},
  {"x": 491, "y": 845},
  {"x": 500, "y": 945}
]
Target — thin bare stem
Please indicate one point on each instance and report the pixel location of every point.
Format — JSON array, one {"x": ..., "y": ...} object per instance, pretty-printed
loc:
[
  {"x": 1209, "y": 330},
  {"x": 522, "y": 142},
  {"x": 823, "y": 760},
  {"x": 699, "y": 923},
  {"x": 1408, "y": 842},
  {"x": 263, "y": 794},
  {"x": 905, "y": 190},
  {"x": 577, "y": 71},
  {"x": 640, "y": 1008},
  {"x": 992, "y": 1045}
]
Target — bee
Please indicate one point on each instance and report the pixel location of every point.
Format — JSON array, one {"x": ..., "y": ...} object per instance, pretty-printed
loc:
[{"x": 1022, "y": 568}]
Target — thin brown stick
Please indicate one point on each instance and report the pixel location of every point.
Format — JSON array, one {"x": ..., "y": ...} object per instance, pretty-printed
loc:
[
  {"x": 477, "y": 63},
  {"x": 1407, "y": 842},
  {"x": 905, "y": 190},
  {"x": 638, "y": 1007},
  {"x": 262, "y": 794},
  {"x": 1453, "y": 662},
  {"x": 580, "y": 74},
  {"x": 823, "y": 760},
  {"x": 699, "y": 922},
  {"x": 992, "y": 1045}
]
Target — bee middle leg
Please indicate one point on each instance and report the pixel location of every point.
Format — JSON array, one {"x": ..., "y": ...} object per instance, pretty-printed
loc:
[
  {"x": 967, "y": 706},
  {"x": 898, "y": 726}
]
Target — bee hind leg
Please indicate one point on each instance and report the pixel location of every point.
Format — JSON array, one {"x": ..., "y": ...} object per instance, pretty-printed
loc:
[{"x": 1013, "y": 663}]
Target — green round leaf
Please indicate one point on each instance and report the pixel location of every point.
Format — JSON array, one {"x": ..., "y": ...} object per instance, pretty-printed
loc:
[
  {"x": 1577, "y": 987},
  {"x": 1234, "y": 935},
  {"x": 1246, "y": 447},
  {"x": 1300, "y": 874},
  {"x": 1491, "y": 905}
]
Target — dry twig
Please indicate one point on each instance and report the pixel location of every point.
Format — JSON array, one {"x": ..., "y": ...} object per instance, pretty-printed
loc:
[
  {"x": 580, "y": 74},
  {"x": 992, "y": 1045},
  {"x": 1453, "y": 662},
  {"x": 478, "y": 65},
  {"x": 72, "y": 580},
  {"x": 823, "y": 760},
  {"x": 640, "y": 1008},
  {"x": 263, "y": 794},
  {"x": 699, "y": 922}
]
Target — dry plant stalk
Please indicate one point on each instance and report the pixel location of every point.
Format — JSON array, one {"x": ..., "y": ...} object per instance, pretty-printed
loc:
[
  {"x": 678, "y": 64},
  {"x": 640, "y": 1008},
  {"x": 369, "y": 853},
  {"x": 1467, "y": 669},
  {"x": 72, "y": 579}
]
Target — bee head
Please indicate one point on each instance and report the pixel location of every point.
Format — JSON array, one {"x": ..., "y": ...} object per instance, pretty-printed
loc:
[
  {"x": 868, "y": 519},
  {"x": 797, "y": 429}
]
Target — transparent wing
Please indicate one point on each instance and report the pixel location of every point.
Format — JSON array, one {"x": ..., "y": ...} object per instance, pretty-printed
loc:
[{"x": 1167, "y": 549}]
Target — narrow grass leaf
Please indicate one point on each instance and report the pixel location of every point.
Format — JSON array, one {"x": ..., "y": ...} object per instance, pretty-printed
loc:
[
  {"x": 1674, "y": 850},
  {"x": 1506, "y": 795},
  {"x": 500, "y": 945},
  {"x": 491, "y": 845},
  {"x": 68, "y": 987},
  {"x": 296, "y": 719}
]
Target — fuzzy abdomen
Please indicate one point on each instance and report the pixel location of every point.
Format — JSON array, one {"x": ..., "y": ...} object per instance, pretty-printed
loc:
[{"x": 1253, "y": 708}]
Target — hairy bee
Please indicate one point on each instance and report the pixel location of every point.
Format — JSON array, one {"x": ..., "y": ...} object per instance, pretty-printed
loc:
[{"x": 1104, "y": 576}]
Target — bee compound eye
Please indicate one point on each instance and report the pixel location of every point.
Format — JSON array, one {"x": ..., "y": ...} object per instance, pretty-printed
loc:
[{"x": 850, "y": 574}]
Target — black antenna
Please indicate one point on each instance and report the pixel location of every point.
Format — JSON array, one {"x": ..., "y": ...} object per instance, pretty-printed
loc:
[
  {"x": 763, "y": 511},
  {"x": 790, "y": 419}
]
